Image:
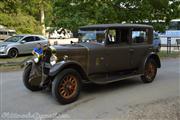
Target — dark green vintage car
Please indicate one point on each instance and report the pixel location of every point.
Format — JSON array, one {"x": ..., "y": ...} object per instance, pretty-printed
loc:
[{"x": 105, "y": 53}]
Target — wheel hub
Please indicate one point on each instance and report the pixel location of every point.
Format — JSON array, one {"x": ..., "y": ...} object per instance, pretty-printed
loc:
[
  {"x": 68, "y": 87},
  {"x": 150, "y": 71}
]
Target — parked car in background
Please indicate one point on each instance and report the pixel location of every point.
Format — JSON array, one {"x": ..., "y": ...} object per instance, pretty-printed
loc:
[
  {"x": 6, "y": 33},
  {"x": 156, "y": 42},
  {"x": 20, "y": 44}
]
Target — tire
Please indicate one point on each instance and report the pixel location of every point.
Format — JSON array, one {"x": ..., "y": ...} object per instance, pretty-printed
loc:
[
  {"x": 150, "y": 71},
  {"x": 13, "y": 53},
  {"x": 66, "y": 86},
  {"x": 26, "y": 74}
]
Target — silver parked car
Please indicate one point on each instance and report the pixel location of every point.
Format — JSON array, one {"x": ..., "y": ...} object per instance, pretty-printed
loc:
[{"x": 20, "y": 44}]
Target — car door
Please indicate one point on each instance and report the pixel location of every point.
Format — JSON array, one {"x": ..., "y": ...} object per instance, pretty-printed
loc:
[
  {"x": 27, "y": 44},
  {"x": 117, "y": 50},
  {"x": 140, "y": 46}
]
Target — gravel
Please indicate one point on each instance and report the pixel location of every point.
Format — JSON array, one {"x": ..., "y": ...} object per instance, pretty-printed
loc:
[{"x": 164, "y": 109}]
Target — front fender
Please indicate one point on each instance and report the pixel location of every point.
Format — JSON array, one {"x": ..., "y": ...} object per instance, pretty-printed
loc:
[{"x": 55, "y": 69}]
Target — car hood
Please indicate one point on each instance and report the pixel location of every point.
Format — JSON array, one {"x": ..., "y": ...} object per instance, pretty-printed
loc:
[
  {"x": 68, "y": 47},
  {"x": 75, "y": 52}
]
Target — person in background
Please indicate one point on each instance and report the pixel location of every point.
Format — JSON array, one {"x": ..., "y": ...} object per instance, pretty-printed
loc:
[{"x": 38, "y": 50}]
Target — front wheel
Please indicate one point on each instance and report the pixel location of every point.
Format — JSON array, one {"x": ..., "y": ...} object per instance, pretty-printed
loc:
[
  {"x": 66, "y": 86},
  {"x": 26, "y": 82},
  {"x": 13, "y": 53},
  {"x": 150, "y": 71}
]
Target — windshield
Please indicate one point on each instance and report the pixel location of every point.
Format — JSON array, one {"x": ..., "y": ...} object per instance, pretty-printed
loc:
[
  {"x": 97, "y": 36},
  {"x": 13, "y": 39},
  {"x": 174, "y": 25}
]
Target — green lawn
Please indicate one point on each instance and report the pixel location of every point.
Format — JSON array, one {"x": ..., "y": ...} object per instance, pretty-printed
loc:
[
  {"x": 12, "y": 60},
  {"x": 13, "y": 64},
  {"x": 163, "y": 54}
]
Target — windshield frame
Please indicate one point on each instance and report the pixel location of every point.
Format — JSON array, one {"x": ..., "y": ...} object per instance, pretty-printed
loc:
[{"x": 18, "y": 40}]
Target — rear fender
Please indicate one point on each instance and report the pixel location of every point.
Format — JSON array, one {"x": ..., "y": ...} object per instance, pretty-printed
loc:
[{"x": 153, "y": 56}]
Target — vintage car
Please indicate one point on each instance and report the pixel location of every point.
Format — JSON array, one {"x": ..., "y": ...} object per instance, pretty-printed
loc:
[{"x": 105, "y": 53}]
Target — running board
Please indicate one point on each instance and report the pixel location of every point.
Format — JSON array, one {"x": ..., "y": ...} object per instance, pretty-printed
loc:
[{"x": 114, "y": 79}]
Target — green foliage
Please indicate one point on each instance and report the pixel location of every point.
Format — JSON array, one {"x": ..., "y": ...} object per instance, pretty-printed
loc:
[
  {"x": 21, "y": 23},
  {"x": 25, "y": 15},
  {"x": 75, "y": 13}
]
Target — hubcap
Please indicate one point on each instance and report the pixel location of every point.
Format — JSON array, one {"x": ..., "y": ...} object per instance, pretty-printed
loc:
[
  {"x": 13, "y": 53},
  {"x": 68, "y": 86}
]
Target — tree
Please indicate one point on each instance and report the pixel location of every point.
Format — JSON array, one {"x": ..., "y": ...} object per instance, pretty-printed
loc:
[
  {"x": 75, "y": 13},
  {"x": 38, "y": 8},
  {"x": 13, "y": 15}
]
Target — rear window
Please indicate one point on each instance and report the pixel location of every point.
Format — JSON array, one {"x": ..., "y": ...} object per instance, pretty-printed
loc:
[{"x": 139, "y": 36}]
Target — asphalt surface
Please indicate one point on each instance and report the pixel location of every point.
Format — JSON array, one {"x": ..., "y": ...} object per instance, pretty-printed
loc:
[{"x": 95, "y": 102}]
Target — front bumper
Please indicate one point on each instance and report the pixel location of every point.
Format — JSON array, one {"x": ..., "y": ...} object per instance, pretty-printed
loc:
[{"x": 3, "y": 54}]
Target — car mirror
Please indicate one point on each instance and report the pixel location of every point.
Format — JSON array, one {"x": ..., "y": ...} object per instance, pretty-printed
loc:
[{"x": 23, "y": 41}]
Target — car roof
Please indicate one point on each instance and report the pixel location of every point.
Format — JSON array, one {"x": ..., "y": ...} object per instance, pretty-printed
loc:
[
  {"x": 25, "y": 35},
  {"x": 116, "y": 25}
]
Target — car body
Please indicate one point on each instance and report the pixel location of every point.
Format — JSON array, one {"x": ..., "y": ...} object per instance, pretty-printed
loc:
[
  {"x": 105, "y": 53},
  {"x": 20, "y": 44},
  {"x": 156, "y": 41}
]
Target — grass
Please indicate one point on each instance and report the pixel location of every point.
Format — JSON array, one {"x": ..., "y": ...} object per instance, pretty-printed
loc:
[
  {"x": 12, "y": 64},
  {"x": 163, "y": 54},
  {"x": 13, "y": 60}
]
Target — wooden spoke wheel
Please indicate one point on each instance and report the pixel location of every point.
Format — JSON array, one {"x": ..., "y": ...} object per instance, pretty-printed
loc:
[
  {"x": 150, "y": 71},
  {"x": 69, "y": 86},
  {"x": 66, "y": 86}
]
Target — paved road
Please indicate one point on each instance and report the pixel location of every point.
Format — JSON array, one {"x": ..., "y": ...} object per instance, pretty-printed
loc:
[{"x": 95, "y": 101}]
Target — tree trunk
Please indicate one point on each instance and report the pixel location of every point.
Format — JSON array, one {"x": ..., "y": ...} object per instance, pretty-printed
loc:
[{"x": 42, "y": 21}]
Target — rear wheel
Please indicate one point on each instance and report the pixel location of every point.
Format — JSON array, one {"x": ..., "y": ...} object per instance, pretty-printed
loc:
[
  {"x": 66, "y": 86},
  {"x": 150, "y": 71},
  {"x": 26, "y": 82},
  {"x": 13, "y": 53}
]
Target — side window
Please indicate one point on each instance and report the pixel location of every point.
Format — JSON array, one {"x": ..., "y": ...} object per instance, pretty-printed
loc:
[
  {"x": 3, "y": 33},
  {"x": 29, "y": 39},
  {"x": 37, "y": 39},
  {"x": 116, "y": 36},
  {"x": 111, "y": 36},
  {"x": 12, "y": 33},
  {"x": 139, "y": 36}
]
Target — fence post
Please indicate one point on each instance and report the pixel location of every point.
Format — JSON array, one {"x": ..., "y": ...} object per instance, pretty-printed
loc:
[{"x": 168, "y": 45}]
